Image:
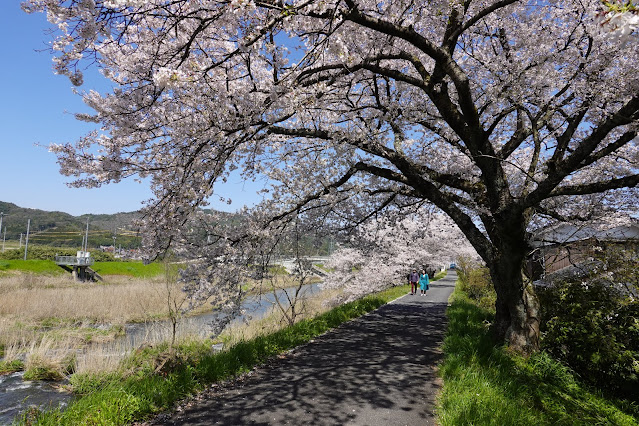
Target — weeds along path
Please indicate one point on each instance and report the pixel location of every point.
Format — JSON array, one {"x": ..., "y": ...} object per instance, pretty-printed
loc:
[{"x": 379, "y": 369}]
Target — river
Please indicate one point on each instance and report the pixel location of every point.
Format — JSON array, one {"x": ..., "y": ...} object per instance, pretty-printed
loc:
[{"x": 16, "y": 394}]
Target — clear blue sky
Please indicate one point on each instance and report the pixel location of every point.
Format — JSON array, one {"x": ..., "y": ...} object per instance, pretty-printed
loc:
[{"x": 36, "y": 107}]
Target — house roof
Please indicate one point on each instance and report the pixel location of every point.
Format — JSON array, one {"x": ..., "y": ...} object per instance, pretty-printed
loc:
[{"x": 567, "y": 233}]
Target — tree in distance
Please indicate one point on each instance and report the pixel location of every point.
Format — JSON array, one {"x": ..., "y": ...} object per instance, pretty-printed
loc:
[{"x": 506, "y": 115}]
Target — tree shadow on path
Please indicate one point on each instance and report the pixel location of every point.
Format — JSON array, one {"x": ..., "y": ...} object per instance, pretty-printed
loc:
[{"x": 378, "y": 369}]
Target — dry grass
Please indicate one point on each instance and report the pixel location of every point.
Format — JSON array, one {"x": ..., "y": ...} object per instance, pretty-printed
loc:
[
  {"x": 52, "y": 321},
  {"x": 28, "y": 297},
  {"x": 107, "y": 356},
  {"x": 276, "y": 282},
  {"x": 49, "y": 359},
  {"x": 275, "y": 320},
  {"x": 44, "y": 319},
  {"x": 13, "y": 352}
]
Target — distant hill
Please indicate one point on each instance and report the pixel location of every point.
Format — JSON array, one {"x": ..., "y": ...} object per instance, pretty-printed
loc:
[{"x": 62, "y": 229}]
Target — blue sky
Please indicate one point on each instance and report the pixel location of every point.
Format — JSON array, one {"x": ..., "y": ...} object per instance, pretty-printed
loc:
[{"x": 36, "y": 109}]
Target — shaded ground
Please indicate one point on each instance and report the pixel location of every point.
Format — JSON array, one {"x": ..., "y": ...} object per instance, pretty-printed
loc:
[{"x": 376, "y": 370}]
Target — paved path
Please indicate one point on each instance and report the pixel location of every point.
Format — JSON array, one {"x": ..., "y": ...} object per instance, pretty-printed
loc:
[{"x": 376, "y": 370}]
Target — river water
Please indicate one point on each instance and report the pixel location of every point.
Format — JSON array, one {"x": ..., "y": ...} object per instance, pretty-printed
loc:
[{"x": 16, "y": 394}]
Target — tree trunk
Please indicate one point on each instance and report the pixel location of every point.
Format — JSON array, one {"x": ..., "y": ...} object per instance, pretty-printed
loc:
[{"x": 517, "y": 308}]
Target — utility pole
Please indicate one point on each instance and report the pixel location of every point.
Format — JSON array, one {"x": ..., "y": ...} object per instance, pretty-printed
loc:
[
  {"x": 86, "y": 238},
  {"x": 26, "y": 243},
  {"x": 5, "y": 230},
  {"x": 21, "y": 234}
]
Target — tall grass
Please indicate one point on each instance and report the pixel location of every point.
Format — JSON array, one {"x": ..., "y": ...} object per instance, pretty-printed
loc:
[
  {"x": 46, "y": 360},
  {"x": 34, "y": 298},
  {"x": 47, "y": 319},
  {"x": 154, "y": 378},
  {"x": 487, "y": 385}
]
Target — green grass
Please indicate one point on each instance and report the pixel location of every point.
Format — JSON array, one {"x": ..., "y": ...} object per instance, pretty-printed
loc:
[
  {"x": 153, "y": 379},
  {"x": 33, "y": 266},
  {"x": 487, "y": 385},
  {"x": 7, "y": 367},
  {"x": 49, "y": 267},
  {"x": 133, "y": 269},
  {"x": 277, "y": 270},
  {"x": 42, "y": 373},
  {"x": 439, "y": 275}
]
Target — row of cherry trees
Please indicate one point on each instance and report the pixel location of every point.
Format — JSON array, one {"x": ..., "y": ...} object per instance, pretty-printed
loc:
[
  {"x": 506, "y": 115},
  {"x": 382, "y": 252}
]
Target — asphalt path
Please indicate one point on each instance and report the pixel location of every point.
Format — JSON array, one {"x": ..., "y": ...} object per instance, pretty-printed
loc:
[{"x": 379, "y": 369}]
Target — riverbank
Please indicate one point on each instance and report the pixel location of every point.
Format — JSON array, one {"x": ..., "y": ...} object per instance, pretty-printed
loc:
[
  {"x": 34, "y": 306},
  {"x": 39, "y": 306},
  {"x": 153, "y": 378}
]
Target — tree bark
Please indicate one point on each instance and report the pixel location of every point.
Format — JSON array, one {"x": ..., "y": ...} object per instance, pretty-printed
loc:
[{"x": 517, "y": 308}]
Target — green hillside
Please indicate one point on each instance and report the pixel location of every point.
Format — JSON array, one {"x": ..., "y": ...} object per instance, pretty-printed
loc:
[{"x": 61, "y": 229}]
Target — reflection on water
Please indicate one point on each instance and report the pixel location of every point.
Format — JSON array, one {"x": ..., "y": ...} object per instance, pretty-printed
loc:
[{"x": 16, "y": 395}]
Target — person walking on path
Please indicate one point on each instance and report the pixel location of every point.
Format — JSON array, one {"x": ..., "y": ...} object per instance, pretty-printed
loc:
[
  {"x": 413, "y": 278},
  {"x": 423, "y": 282}
]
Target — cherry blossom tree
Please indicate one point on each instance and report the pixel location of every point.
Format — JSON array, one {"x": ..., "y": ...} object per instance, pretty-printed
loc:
[{"x": 506, "y": 115}]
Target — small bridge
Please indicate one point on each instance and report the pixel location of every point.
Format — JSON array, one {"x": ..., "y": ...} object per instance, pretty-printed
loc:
[
  {"x": 79, "y": 266},
  {"x": 292, "y": 265}
]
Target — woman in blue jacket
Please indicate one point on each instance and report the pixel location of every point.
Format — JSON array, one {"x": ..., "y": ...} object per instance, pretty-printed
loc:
[{"x": 423, "y": 282}]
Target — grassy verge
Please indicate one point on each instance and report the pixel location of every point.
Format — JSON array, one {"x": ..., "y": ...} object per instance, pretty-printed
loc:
[
  {"x": 439, "y": 275},
  {"x": 47, "y": 267},
  {"x": 485, "y": 385},
  {"x": 131, "y": 269},
  {"x": 153, "y": 379}
]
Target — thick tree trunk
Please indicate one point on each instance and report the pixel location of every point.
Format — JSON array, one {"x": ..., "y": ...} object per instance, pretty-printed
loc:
[{"x": 517, "y": 309}]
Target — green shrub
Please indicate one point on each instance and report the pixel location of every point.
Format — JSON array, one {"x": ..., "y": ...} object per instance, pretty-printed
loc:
[
  {"x": 476, "y": 283},
  {"x": 593, "y": 327},
  {"x": 464, "y": 266}
]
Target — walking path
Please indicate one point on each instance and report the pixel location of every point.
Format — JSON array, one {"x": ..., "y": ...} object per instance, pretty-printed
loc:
[{"x": 375, "y": 370}]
